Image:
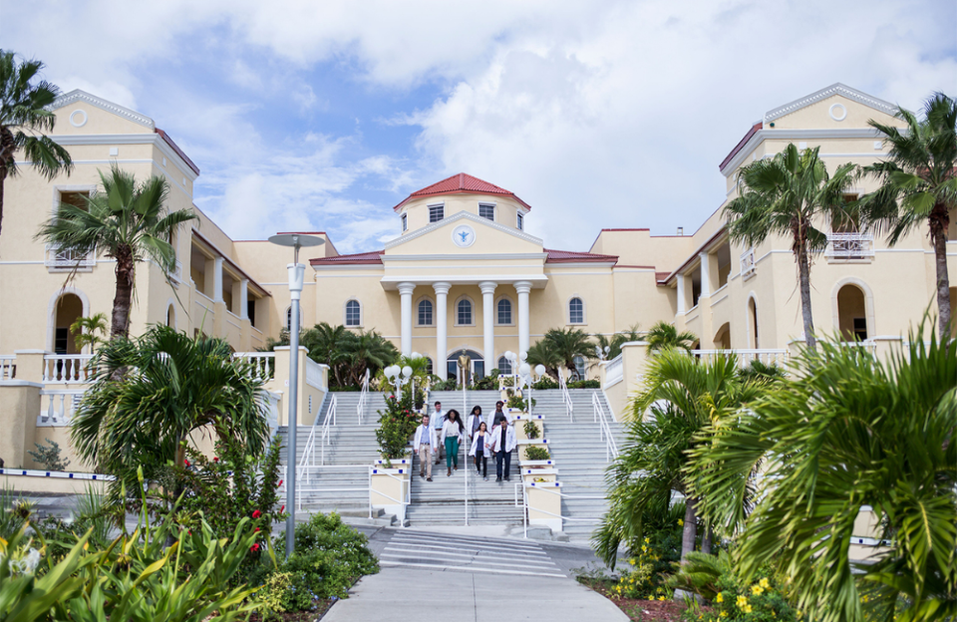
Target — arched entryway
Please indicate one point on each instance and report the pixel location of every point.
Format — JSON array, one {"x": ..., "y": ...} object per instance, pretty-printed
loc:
[
  {"x": 722, "y": 338},
  {"x": 852, "y": 313},
  {"x": 69, "y": 308},
  {"x": 477, "y": 364},
  {"x": 753, "y": 324}
]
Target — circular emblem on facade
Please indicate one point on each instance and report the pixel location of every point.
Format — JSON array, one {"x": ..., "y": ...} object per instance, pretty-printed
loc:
[
  {"x": 838, "y": 112},
  {"x": 463, "y": 236},
  {"x": 78, "y": 118}
]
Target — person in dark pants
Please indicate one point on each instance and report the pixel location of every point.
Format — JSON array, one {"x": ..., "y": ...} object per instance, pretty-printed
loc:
[
  {"x": 480, "y": 449},
  {"x": 499, "y": 414},
  {"x": 503, "y": 442}
]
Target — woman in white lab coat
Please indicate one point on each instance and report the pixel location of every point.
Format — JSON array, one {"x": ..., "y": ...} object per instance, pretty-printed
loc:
[
  {"x": 453, "y": 433},
  {"x": 480, "y": 449},
  {"x": 502, "y": 443}
]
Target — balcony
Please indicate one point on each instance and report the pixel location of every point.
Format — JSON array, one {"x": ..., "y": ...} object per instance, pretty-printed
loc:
[
  {"x": 747, "y": 264},
  {"x": 849, "y": 247},
  {"x": 65, "y": 260}
]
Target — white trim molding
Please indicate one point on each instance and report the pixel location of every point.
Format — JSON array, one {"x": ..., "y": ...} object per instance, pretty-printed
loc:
[
  {"x": 455, "y": 218},
  {"x": 830, "y": 91},
  {"x": 77, "y": 95}
]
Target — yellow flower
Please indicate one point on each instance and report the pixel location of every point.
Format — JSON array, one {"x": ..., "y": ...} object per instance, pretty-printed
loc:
[
  {"x": 746, "y": 609},
  {"x": 632, "y": 561},
  {"x": 719, "y": 598},
  {"x": 651, "y": 598},
  {"x": 662, "y": 598},
  {"x": 765, "y": 584},
  {"x": 757, "y": 590},
  {"x": 724, "y": 614},
  {"x": 742, "y": 602},
  {"x": 647, "y": 540},
  {"x": 644, "y": 549},
  {"x": 681, "y": 522}
]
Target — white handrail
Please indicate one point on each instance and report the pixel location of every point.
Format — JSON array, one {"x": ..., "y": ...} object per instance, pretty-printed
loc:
[
  {"x": 566, "y": 396},
  {"x": 596, "y": 520},
  {"x": 745, "y": 356},
  {"x": 363, "y": 395},
  {"x": 611, "y": 447},
  {"x": 309, "y": 454},
  {"x": 66, "y": 368}
]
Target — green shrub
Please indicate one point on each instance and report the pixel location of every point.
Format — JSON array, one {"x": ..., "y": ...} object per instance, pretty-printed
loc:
[
  {"x": 645, "y": 575},
  {"x": 445, "y": 385},
  {"x": 396, "y": 426},
  {"x": 584, "y": 384},
  {"x": 49, "y": 456},
  {"x": 531, "y": 430},
  {"x": 537, "y": 452},
  {"x": 545, "y": 382},
  {"x": 488, "y": 382}
]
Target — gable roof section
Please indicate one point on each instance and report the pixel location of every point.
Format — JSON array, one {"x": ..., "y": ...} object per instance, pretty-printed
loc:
[
  {"x": 77, "y": 95},
  {"x": 463, "y": 183},
  {"x": 356, "y": 259},
  {"x": 835, "y": 89},
  {"x": 741, "y": 143},
  {"x": 179, "y": 152},
  {"x": 402, "y": 239},
  {"x": 555, "y": 256}
]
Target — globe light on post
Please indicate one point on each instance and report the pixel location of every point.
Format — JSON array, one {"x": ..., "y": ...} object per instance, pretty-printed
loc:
[
  {"x": 540, "y": 370},
  {"x": 296, "y": 276}
]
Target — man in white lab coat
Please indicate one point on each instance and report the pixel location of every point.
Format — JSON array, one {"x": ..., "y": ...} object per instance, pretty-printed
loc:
[
  {"x": 503, "y": 441},
  {"x": 425, "y": 445}
]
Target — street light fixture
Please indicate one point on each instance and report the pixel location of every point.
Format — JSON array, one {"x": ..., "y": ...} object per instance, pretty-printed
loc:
[{"x": 296, "y": 274}]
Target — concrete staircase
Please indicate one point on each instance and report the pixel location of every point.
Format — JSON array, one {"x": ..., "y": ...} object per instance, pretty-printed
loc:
[
  {"x": 453, "y": 399},
  {"x": 342, "y": 484}
]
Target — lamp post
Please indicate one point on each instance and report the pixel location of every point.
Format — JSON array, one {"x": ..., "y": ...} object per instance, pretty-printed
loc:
[
  {"x": 399, "y": 377},
  {"x": 602, "y": 354},
  {"x": 296, "y": 275}
]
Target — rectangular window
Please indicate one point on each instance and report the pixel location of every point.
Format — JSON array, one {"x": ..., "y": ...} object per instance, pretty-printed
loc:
[
  {"x": 251, "y": 312},
  {"x": 76, "y": 199},
  {"x": 405, "y": 222},
  {"x": 60, "y": 340},
  {"x": 436, "y": 213},
  {"x": 860, "y": 328},
  {"x": 520, "y": 221},
  {"x": 487, "y": 211}
]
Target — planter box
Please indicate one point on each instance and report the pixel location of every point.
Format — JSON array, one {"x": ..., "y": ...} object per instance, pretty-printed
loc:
[
  {"x": 544, "y": 504},
  {"x": 389, "y": 487},
  {"x": 525, "y": 444},
  {"x": 533, "y": 464},
  {"x": 519, "y": 423},
  {"x": 539, "y": 475}
]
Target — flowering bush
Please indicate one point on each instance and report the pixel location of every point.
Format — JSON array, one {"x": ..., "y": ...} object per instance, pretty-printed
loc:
[
  {"x": 644, "y": 577},
  {"x": 396, "y": 425}
]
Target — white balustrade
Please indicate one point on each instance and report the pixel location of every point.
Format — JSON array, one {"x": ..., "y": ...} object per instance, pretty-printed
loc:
[
  {"x": 314, "y": 375},
  {"x": 768, "y": 357},
  {"x": 748, "y": 268},
  {"x": 60, "y": 406},
  {"x": 849, "y": 246},
  {"x": 68, "y": 260},
  {"x": 67, "y": 368},
  {"x": 614, "y": 371},
  {"x": 8, "y": 367},
  {"x": 264, "y": 363}
]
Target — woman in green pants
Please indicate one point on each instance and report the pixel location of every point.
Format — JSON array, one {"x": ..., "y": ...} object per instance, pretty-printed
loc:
[{"x": 453, "y": 432}]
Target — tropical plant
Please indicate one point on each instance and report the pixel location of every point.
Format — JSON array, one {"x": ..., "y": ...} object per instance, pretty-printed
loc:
[
  {"x": 24, "y": 117},
  {"x": 177, "y": 385},
  {"x": 617, "y": 340},
  {"x": 48, "y": 456},
  {"x": 127, "y": 222},
  {"x": 684, "y": 396},
  {"x": 326, "y": 345},
  {"x": 85, "y": 331},
  {"x": 569, "y": 344},
  {"x": 786, "y": 195},
  {"x": 664, "y": 335},
  {"x": 537, "y": 452},
  {"x": 919, "y": 185},
  {"x": 850, "y": 432},
  {"x": 396, "y": 425},
  {"x": 541, "y": 353}
]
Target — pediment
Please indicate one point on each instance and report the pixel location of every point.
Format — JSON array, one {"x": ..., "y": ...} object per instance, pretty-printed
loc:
[
  {"x": 837, "y": 104},
  {"x": 81, "y": 112},
  {"x": 490, "y": 238}
]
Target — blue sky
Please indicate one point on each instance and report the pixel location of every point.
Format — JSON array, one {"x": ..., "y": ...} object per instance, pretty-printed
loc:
[{"x": 322, "y": 116}]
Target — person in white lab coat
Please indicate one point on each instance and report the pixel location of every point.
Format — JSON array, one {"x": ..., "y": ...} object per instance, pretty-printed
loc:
[
  {"x": 480, "y": 449},
  {"x": 453, "y": 433},
  {"x": 503, "y": 442},
  {"x": 425, "y": 445},
  {"x": 474, "y": 420}
]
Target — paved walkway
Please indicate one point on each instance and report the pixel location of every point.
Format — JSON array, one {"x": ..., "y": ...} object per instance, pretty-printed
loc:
[{"x": 459, "y": 578}]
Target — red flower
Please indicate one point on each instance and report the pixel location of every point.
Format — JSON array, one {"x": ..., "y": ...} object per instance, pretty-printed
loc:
[
  {"x": 257, "y": 514},
  {"x": 254, "y": 548},
  {"x": 186, "y": 462},
  {"x": 282, "y": 509},
  {"x": 280, "y": 483},
  {"x": 257, "y": 528},
  {"x": 215, "y": 458}
]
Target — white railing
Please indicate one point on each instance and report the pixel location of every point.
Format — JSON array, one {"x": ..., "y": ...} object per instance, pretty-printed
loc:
[
  {"x": 264, "y": 363},
  {"x": 363, "y": 397},
  {"x": 566, "y": 396},
  {"x": 8, "y": 366},
  {"x": 849, "y": 246},
  {"x": 869, "y": 346},
  {"x": 308, "y": 459},
  {"x": 314, "y": 375},
  {"x": 611, "y": 447},
  {"x": 748, "y": 267},
  {"x": 67, "y": 368},
  {"x": 405, "y": 486},
  {"x": 61, "y": 404},
  {"x": 594, "y": 520},
  {"x": 614, "y": 371},
  {"x": 768, "y": 357},
  {"x": 67, "y": 259}
]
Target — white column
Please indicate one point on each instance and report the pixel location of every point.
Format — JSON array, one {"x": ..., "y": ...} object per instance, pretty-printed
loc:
[
  {"x": 405, "y": 291},
  {"x": 441, "y": 367},
  {"x": 488, "y": 322},
  {"x": 244, "y": 299},
  {"x": 522, "y": 288},
  {"x": 218, "y": 279},
  {"x": 705, "y": 274},
  {"x": 681, "y": 293}
]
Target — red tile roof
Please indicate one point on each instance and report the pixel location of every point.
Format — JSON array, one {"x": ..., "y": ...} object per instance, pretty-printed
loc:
[
  {"x": 754, "y": 130},
  {"x": 575, "y": 257},
  {"x": 175, "y": 147},
  {"x": 373, "y": 258},
  {"x": 462, "y": 183}
]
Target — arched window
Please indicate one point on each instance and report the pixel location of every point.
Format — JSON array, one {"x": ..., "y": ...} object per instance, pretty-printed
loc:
[
  {"x": 504, "y": 312},
  {"x": 463, "y": 315},
  {"x": 428, "y": 365},
  {"x": 289, "y": 318},
  {"x": 852, "y": 313},
  {"x": 579, "y": 367},
  {"x": 353, "y": 313},
  {"x": 171, "y": 317},
  {"x": 425, "y": 312},
  {"x": 753, "y": 320},
  {"x": 576, "y": 311},
  {"x": 504, "y": 366}
]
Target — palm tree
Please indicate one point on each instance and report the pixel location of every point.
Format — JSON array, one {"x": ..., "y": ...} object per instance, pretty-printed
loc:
[
  {"x": 786, "y": 195},
  {"x": 541, "y": 353},
  {"x": 617, "y": 340},
  {"x": 23, "y": 119},
  {"x": 126, "y": 222},
  {"x": 919, "y": 185},
  {"x": 327, "y": 345},
  {"x": 850, "y": 431},
  {"x": 664, "y": 335},
  {"x": 690, "y": 395},
  {"x": 368, "y": 350},
  {"x": 569, "y": 344},
  {"x": 85, "y": 330},
  {"x": 179, "y": 386}
]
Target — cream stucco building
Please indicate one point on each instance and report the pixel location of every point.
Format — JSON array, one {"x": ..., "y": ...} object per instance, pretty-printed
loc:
[{"x": 462, "y": 272}]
